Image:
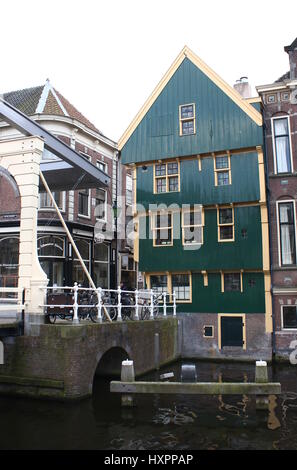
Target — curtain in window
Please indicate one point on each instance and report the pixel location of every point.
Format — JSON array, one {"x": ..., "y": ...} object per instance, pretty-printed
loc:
[
  {"x": 282, "y": 147},
  {"x": 287, "y": 232}
]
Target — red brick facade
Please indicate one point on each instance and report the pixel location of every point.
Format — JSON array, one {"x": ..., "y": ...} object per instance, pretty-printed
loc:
[{"x": 279, "y": 101}]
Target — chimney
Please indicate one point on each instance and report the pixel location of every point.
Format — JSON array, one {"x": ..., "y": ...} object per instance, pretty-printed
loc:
[
  {"x": 292, "y": 51},
  {"x": 243, "y": 87}
]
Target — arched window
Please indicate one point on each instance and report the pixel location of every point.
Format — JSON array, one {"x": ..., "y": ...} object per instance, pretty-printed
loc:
[
  {"x": 9, "y": 260},
  {"x": 50, "y": 246}
]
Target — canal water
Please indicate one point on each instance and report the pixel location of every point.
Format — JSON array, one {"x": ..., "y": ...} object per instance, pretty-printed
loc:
[{"x": 167, "y": 422}]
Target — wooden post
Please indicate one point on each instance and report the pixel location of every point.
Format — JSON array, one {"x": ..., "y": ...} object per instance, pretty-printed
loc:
[
  {"x": 127, "y": 375},
  {"x": 261, "y": 376}
]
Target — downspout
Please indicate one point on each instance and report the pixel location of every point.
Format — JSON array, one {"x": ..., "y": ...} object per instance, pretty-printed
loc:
[{"x": 270, "y": 234}]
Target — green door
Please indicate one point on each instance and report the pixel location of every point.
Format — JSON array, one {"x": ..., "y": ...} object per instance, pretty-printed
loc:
[{"x": 231, "y": 331}]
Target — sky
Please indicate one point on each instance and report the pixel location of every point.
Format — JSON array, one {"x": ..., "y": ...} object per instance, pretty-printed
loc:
[{"x": 106, "y": 57}]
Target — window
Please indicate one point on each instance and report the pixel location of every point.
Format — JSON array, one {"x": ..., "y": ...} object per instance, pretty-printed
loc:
[
  {"x": 166, "y": 177},
  {"x": 100, "y": 209},
  {"x": 78, "y": 273},
  {"x": 281, "y": 145},
  {"x": 9, "y": 262},
  {"x": 232, "y": 282},
  {"x": 101, "y": 265},
  {"x": 84, "y": 202},
  {"x": 102, "y": 166},
  {"x": 159, "y": 283},
  {"x": 192, "y": 226},
  {"x": 222, "y": 167},
  {"x": 208, "y": 331},
  {"x": 128, "y": 190},
  {"x": 285, "y": 96},
  {"x": 287, "y": 235},
  {"x": 225, "y": 216},
  {"x": 187, "y": 121},
  {"x": 289, "y": 317},
  {"x": 50, "y": 247},
  {"x": 271, "y": 98},
  {"x": 180, "y": 283},
  {"x": 45, "y": 201},
  {"x": 181, "y": 286},
  {"x": 162, "y": 229}
]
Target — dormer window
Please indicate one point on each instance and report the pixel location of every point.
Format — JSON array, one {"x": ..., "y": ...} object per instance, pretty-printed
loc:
[{"x": 187, "y": 123}]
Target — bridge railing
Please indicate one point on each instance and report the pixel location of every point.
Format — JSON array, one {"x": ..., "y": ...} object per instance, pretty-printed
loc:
[
  {"x": 77, "y": 302},
  {"x": 12, "y": 300}
]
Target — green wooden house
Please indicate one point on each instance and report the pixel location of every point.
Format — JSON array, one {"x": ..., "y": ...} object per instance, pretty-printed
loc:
[{"x": 196, "y": 149}]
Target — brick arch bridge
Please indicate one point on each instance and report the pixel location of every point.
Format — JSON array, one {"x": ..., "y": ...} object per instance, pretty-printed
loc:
[{"x": 60, "y": 361}]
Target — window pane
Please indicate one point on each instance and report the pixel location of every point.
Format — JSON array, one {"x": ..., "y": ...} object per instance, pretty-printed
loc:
[
  {"x": 159, "y": 283},
  {"x": 283, "y": 157},
  {"x": 100, "y": 204},
  {"x": 223, "y": 178},
  {"x": 50, "y": 246},
  {"x": 161, "y": 185},
  {"x": 173, "y": 183},
  {"x": 181, "y": 286},
  {"x": 193, "y": 217},
  {"x": 100, "y": 252},
  {"x": 187, "y": 111},
  {"x": 231, "y": 282},
  {"x": 290, "y": 317},
  {"x": 222, "y": 162},
  {"x": 225, "y": 216},
  {"x": 160, "y": 170},
  {"x": 226, "y": 233},
  {"x": 9, "y": 259},
  {"x": 287, "y": 233},
  {"x": 83, "y": 247},
  {"x": 163, "y": 220},
  {"x": 172, "y": 168},
  {"x": 281, "y": 127},
  {"x": 192, "y": 235},
  {"x": 188, "y": 127},
  {"x": 163, "y": 236},
  {"x": 83, "y": 202}
]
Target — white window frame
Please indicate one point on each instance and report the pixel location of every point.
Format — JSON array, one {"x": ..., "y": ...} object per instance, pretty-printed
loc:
[
  {"x": 51, "y": 208},
  {"x": 282, "y": 318},
  {"x": 283, "y": 201},
  {"x": 273, "y": 143}
]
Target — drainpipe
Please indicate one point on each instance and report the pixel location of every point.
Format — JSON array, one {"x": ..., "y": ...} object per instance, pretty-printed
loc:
[{"x": 270, "y": 234}]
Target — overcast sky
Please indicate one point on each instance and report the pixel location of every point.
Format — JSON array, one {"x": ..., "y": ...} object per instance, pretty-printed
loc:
[{"x": 106, "y": 57}]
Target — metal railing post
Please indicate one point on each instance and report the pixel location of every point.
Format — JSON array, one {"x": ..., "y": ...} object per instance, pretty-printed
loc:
[
  {"x": 99, "y": 305},
  {"x": 75, "y": 304},
  {"x": 152, "y": 305},
  {"x": 164, "y": 304},
  {"x": 136, "y": 305},
  {"x": 119, "y": 305},
  {"x": 174, "y": 303}
]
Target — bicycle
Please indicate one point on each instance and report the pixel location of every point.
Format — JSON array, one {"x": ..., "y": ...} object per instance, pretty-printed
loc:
[{"x": 145, "y": 309}]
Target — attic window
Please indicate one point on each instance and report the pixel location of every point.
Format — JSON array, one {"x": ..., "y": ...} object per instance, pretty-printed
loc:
[{"x": 187, "y": 124}]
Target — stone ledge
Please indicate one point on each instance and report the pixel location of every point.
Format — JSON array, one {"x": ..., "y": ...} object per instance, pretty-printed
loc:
[{"x": 31, "y": 381}]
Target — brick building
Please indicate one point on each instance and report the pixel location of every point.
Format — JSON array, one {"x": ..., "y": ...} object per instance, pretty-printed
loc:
[
  {"x": 87, "y": 212},
  {"x": 280, "y": 109}
]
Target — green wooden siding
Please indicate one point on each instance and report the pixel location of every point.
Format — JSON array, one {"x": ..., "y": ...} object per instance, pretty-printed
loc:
[
  {"x": 243, "y": 253},
  {"x": 198, "y": 187},
  {"x": 210, "y": 299},
  {"x": 220, "y": 123}
]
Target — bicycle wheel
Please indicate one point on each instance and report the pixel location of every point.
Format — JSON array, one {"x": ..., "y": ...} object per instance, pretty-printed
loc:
[
  {"x": 52, "y": 318},
  {"x": 144, "y": 313},
  {"x": 112, "y": 312},
  {"x": 93, "y": 314}
]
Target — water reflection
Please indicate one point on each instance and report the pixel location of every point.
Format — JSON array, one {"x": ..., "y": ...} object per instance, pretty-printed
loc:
[{"x": 158, "y": 421}]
